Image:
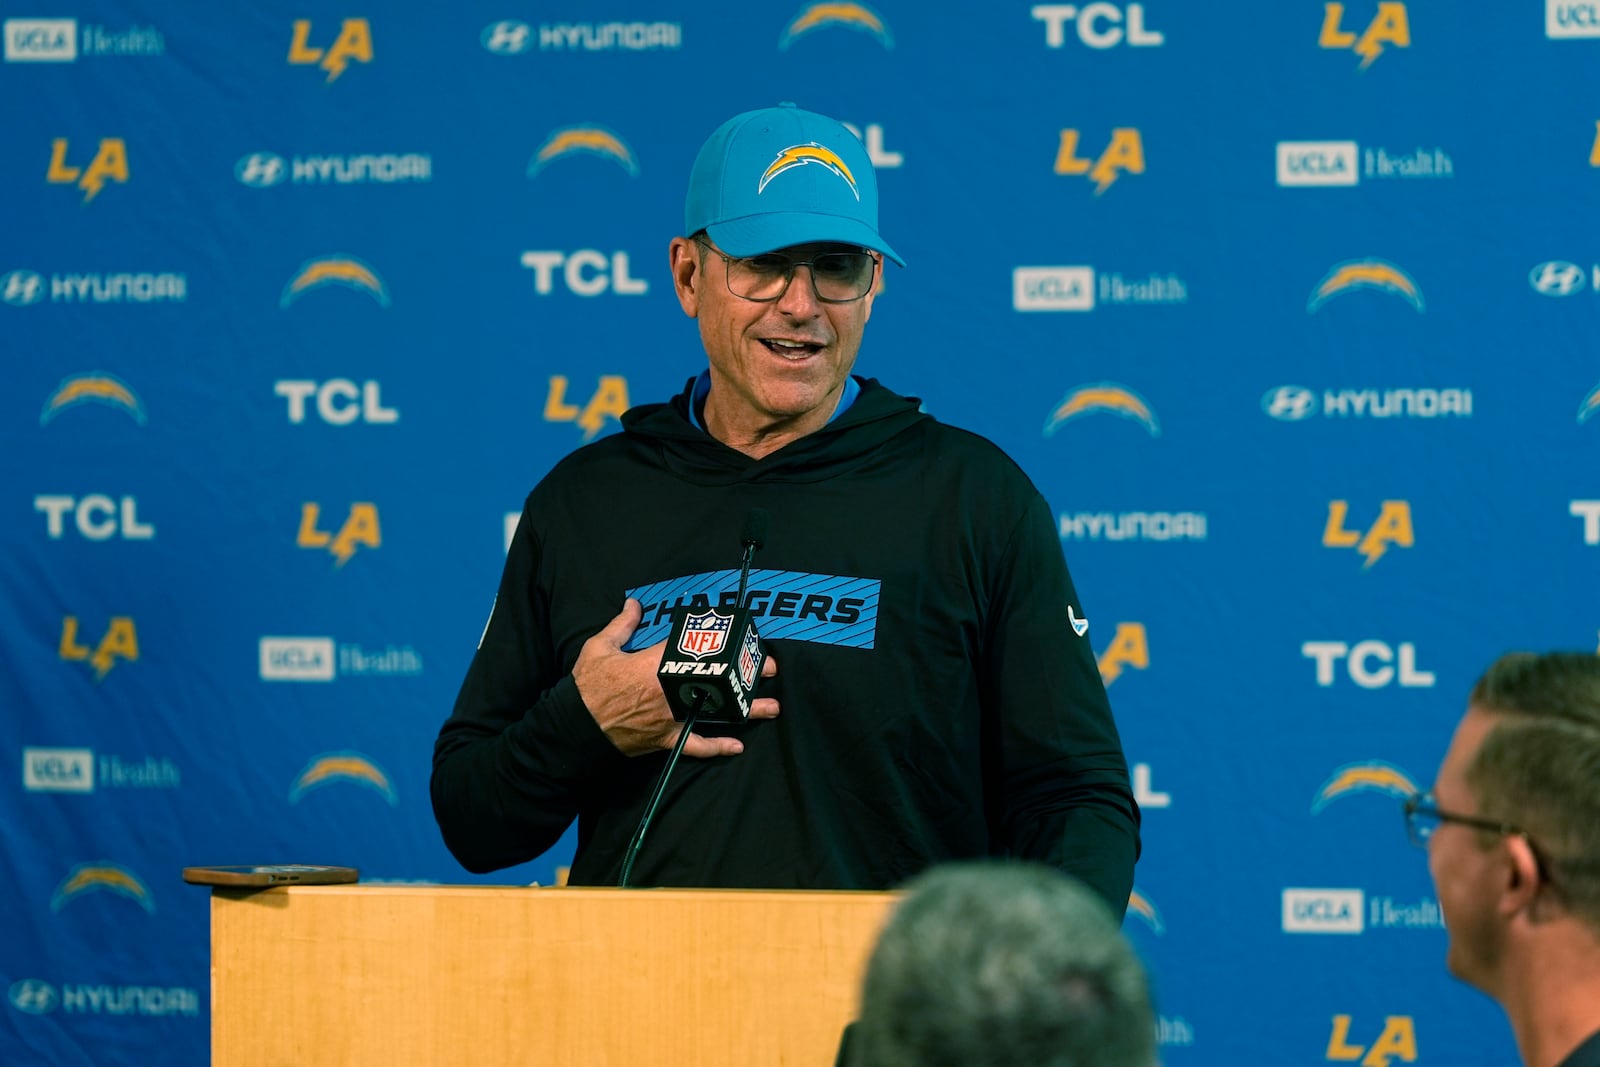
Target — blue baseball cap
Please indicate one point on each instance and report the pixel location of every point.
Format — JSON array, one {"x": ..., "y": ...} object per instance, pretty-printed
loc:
[{"x": 781, "y": 176}]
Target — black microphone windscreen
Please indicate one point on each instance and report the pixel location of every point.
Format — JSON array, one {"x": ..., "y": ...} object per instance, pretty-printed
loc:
[{"x": 755, "y": 528}]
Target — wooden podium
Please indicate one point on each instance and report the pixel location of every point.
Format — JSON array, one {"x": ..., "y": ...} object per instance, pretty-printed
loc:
[{"x": 440, "y": 976}]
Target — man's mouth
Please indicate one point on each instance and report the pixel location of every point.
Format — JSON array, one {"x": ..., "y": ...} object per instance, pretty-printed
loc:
[{"x": 791, "y": 349}]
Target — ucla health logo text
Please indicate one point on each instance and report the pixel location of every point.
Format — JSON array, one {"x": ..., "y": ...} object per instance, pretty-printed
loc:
[
  {"x": 1571, "y": 19},
  {"x": 1080, "y": 288},
  {"x": 77, "y": 770},
  {"x": 1351, "y": 911},
  {"x": 65, "y": 41},
  {"x": 1310, "y": 163},
  {"x": 322, "y": 659}
]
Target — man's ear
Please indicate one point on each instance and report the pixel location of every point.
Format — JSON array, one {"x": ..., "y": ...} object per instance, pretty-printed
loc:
[
  {"x": 877, "y": 286},
  {"x": 684, "y": 259},
  {"x": 1522, "y": 877}
]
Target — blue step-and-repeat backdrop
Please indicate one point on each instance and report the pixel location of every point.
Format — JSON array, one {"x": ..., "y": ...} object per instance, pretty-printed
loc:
[{"x": 1288, "y": 307}]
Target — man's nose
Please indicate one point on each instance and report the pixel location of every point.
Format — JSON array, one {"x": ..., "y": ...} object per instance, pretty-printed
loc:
[{"x": 799, "y": 300}]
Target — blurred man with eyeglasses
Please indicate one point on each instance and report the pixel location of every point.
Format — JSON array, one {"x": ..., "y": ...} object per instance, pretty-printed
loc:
[
  {"x": 1512, "y": 830},
  {"x": 939, "y": 697}
]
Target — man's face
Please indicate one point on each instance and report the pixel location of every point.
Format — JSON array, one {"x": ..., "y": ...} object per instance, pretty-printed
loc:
[
  {"x": 781, "y": 364},
  {"x": 1468, "y": 877}
]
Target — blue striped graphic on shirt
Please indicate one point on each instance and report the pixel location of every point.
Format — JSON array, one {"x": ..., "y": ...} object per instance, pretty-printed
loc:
[{"x": 829, "y": 609}]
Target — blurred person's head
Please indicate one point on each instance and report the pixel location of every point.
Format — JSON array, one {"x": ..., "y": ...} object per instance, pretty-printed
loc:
[
  {"x": 997, "y": 964},
  {"x": 1512, "y": 830},
  {"x": 1515, "y": 846}
]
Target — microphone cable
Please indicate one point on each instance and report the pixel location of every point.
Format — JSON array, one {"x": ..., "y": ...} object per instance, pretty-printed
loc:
[{"x": 751, "y": 537}]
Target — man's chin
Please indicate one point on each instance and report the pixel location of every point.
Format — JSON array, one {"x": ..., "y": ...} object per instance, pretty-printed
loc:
[{"x": 1464, "y": 969}]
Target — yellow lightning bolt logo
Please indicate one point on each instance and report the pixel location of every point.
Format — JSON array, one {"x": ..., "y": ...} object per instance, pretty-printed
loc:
[
  {"x": 94, "y": 387},
  {"x": 586, "y": 140},
  {"x": 801, "y": 154},
  {"x": 1371, "y": 776},
  {"x": 1590, "y": 405},
  {"x": 1140, "y": 905},
  {"x": 1366, "y": 274},
  {"x": 341, "y": 766},
  {"x": 1388, "y": 26},
  {"x": 335, "y": 270},
  {"x": 1102, "y": 397},
  {"x": 89, "y": 877},
  {"x": 1368, "y": 49},
  {"x": 819, "y": 16}
]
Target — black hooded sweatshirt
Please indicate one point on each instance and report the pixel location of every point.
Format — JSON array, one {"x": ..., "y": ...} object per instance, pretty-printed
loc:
[{"x": 937, "y": 702}]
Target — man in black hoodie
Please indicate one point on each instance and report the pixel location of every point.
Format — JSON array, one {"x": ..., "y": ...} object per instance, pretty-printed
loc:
[{"x": 938, "y": 698}]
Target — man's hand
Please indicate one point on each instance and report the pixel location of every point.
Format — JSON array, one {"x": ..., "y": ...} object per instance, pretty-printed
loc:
[{"x": 621, "y": 692}]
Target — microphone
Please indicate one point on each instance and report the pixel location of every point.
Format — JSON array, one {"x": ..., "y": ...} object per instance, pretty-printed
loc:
[
  {"x": 713, "y": 659},
  {"x": 715, "y": 682}
]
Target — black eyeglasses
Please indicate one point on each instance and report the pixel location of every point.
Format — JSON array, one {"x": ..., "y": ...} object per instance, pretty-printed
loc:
[
  {"x": 1423, "y": 818},
  {"x": 836, "y": 277}
]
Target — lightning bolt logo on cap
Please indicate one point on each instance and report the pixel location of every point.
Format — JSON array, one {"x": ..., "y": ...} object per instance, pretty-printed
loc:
[
  {"x": 1108, "y": 397},
  {"x": 814, "y": 17},
  {"x": 1371, "y": 776},
  {"x": 584, "y": 140},
  {"x": 92, "y": 877},
  {"x": 801, "y": 154},
  {"x": 1366, "y": 274},
  {"x": 95, "y": 387},
  {"x": 333, "y": 767},
  {"x": 335, "y": 270}
]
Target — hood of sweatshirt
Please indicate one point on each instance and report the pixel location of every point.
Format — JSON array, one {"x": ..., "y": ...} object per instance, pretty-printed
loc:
[{"x": 878, "y": 416}]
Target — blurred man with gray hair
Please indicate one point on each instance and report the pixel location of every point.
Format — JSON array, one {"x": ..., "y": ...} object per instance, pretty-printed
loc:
[
  {"x": 1512, "y": 829},
  {"x": 1002, "y": 964}
]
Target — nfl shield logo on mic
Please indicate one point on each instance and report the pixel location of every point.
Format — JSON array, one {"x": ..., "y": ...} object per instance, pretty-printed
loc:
[
  {"x": 704, "y": 634},
  {"x": 749, "y": 663}
]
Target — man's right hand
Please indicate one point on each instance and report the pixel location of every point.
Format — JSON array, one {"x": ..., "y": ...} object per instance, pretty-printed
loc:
[{"x": 621, "y": 692}]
